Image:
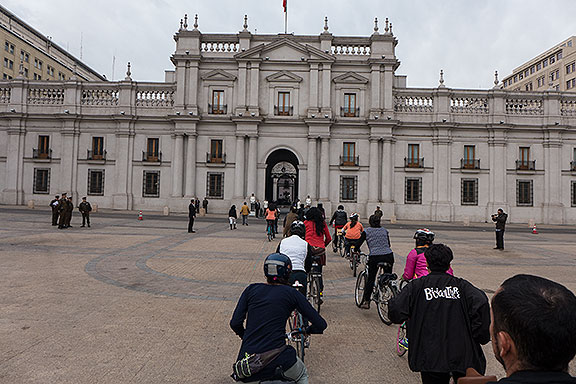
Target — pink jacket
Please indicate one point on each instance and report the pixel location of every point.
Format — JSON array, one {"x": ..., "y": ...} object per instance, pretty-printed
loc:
[{"x": 416, "y": 265}]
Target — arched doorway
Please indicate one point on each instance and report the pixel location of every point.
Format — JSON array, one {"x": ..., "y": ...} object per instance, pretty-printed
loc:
[{"x": 282, "y": 177}]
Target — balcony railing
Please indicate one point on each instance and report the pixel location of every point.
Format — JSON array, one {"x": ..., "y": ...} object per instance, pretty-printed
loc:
[
  {"x": 38, "y": 154},
  {"x": 413, "y": 162},
  {"x": 96, "y": 155},
  {"x": 573, "y": 165},
  {"x": 214, "y": 158},
  {"x": 349, "y": 112},
  {"x": 151, "y": 157},
  {"x": 217, "y": 109},
  {"x": 526, "y": 165},
  {"x": 470, "y": 163},
  {"x": 283, "y": 110},
  {"x": 349, "y": 161}
]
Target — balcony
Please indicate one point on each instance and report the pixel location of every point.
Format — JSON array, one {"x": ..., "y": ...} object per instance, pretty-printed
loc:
[
  {"x": 525, "y": 165},
  {"x": 283, "y": 110},
  {"x": 151, "y": 157},
  {"x": 41, "y": 154},
  {"x": 215, "y": 159},
  {"x": 469, "y": 163},
  {"x": 349, "y": 161},
  {"x": 414, "y": 162},
  {"x": 96, "y": 155},
  {"x": 349, "y": 112},
  {"x": 215, "y": 109}
]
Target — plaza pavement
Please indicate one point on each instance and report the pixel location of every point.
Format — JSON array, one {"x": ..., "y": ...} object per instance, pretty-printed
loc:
[{"x": 130, "y": 301}]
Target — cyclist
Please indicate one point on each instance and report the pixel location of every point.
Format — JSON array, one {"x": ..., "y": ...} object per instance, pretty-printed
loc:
[
  {"x": 378, "y": 240},
  {"x": 299, "y": 252},
  {"x": 288, "y": 220},
  {"x": 271, "y": 214},
  {"x": 338, "y": 220},
  {"x": 353, "y": 234},
  {"x": 266, "y": 309},
  {"x": 318, "y": 236},
  {"x": 416, "y": 262}
]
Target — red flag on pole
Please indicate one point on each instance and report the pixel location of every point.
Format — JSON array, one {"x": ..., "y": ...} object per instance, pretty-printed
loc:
[{"x": 284, "y": 4}]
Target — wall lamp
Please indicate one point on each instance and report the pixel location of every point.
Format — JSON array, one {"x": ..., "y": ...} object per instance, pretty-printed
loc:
[
  {"x": 389, "y": 117},
  {"x": 178, "y": 113},
  {"x": 313, "y": 116},
  {"x": 122, "y": 112},
  {"x": 252, "y": 114},
  {"x": 326, "y": 116},
  {"x": 66, "y": 111},
  {"x": 191, "y": 113},
  {"x": 12, "y": 110}
]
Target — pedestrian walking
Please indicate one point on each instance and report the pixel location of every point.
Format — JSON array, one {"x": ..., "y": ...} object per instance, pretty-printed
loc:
[
  {"x": 55, "y": 212},
  {"x": 500, "y": 220},
  {"x": 191, "y": 216},
  {"x": 205, "y": 205},
  {"x": 85, "y": 208},
  {"x": 232, "y": 216},
  {"x": 245, "y": 211}
]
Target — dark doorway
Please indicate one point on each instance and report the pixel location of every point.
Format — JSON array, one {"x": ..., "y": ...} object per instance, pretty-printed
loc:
[{"x": 282, "y": 177}]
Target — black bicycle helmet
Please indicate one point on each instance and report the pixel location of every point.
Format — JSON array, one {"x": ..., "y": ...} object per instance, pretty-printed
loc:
[
  {"x": 298, "y": 228},
  {"x": 277, "y": 265},
  {"x": 424, "y": 234}
]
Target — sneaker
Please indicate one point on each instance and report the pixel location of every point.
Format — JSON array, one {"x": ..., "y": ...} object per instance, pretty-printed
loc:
[
  {"x": 365, "y": 305},
  {"x": 404, "y": 343}
]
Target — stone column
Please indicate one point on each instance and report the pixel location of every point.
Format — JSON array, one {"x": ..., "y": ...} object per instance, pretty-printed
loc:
[
  {"x": 122, "y": 198},
  {"x": 553, "y": 208},
  {"x": 498, "y": 185},
  {"x": 312, "y": 170},
  {"x": 177, "y": 165},
  {"x": 441, "y": 203},
  {"x": 375, "y": 87},
  {"x": 252, "y": 165},
  {"x": 326, "y": 89},
  {"x": 241, "y": 89},
  {"x": 325, "y": 170},
  {"x": 313, "y": 88},
  {"x": 191, "y": 166},
  {"x": 192, "y": 101},
  {"x": 388, "y": 207},
  {"x": 254, "y": 87},
  {"x": 12, "y": 193},
  {"x": 66, "y": 166},
  {"x": 239, "y": 170},
  {"x": 373, "y": 167}
]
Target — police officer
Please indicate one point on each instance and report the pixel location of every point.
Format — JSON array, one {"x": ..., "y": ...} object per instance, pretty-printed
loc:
[
  {"x": 85, "y": 208},
  {"x": 62, "y": 204},
  {"x": 69, "y": 210},
  {"x": 55, "y": 213}
]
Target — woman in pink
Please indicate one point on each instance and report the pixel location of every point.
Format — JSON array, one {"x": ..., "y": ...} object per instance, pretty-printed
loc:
[
  {"x": 416, "y": 265},
  {"x": 318, "y": 236}
]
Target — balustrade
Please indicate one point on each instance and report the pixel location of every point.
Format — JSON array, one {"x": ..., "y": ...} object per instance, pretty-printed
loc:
[
  {"x": 96, "y": 96},
  {"x": 518, "y": 106},
  {"x": 351, "y": 49},
  {"x": 471, "y": 105},
  {"x": 4, "y": 95},
  {"x": 45, "y": 96},
  {"x": 568, "y": 107},
  {"x": 155, "y": 97},
  {"x": 219, "y": 46},
  {"x": 413, "y": 103}
]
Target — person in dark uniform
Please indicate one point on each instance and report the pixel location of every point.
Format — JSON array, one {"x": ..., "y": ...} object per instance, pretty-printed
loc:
[
  {"x": 205, "y": 205},
  {"x": 85, "y": 208},
  {"x": 197, "y": 204},
  {"x": 500, "y": 220},
  {"x": 62, "y": 204},
  {"x": 55, "y": 213},
  {"x": 191, "y": 216},
  {"x": 69, "y": 210}
]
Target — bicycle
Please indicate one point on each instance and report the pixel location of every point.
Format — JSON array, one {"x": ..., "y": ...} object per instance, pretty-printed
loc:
[
  {"x": 401, "y": 340},
  {"x": 385, "y": 287},
  {"x": 314, "y": 294},
  {"x": 354, "y": 257},
  {"x": 297, "y": 337},
  {"x": 339, "y": 242},
  {"x": 270, "y": 230}
]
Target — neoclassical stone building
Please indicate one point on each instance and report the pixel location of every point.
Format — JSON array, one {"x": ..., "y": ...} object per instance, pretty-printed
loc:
[{"x": 286, "y": 116}]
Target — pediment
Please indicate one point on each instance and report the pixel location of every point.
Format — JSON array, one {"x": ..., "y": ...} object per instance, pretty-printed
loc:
[
  {"x": 350, "y": 78},
  {"x": 285, "y": 49},
  {"x": 218, "y": 75},
  {"x": 284, "y": 76}
]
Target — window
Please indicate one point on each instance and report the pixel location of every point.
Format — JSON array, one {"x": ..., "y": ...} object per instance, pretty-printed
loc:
[
  {"x": 570, "y": 43},
  {"x": 9, "y": 47},
  {"x": 41, "y": 180},
  {"x": 349, "y": 154},
  {"x": 37, "y": 77},
  {"x": 97, "y": 148},
  {"x": 571, "y": 68},
  {"x": 469, "y": 191},
  {"x": 38, "y": 64},
  {"x": 43, "y": 147},
  {"x": 538, "y": 66},
  {"x": 529, "y": 86},
  {"x": 215, "y": 185},
  {"x": 526, "y": 73},
  {"x": 349, "y": 109},
  {"x": 552, "y": 59},
  {"x": 559, "y": 55},
  {"x": 24, "y": 56},
  {"x": 283, "y": 104},
  {"x": 151, "y": 184},
  {"x": 521, "y": 76},
  {"x": 8, "y": 63},
  {"x": 413, "y": 159},
  {"x": 152, "y": 152},
  {"x": 413, "y": 193},
  {"x": 61, "y": 76},
  {"x": 554, "y": 75},
  {"x": 217, "y": 107},
  {"x": 6, "y": 77},
  {"x": 545, "y": 63},
  {"x": 515, "y": 78},
  {"x": 96, "y": 182},
  {"x": 524, "y": 193},
  {"x": 216, "y": 152},
  {"x": 574, "y": 193},
  {"x": 348, "y": 188},
  {"x": 469, "y": 160},
  {"x": 532, "y": 69},
  {"x": 50, "y": 70},
  {"x": 25, "y": 72},
  {"x": 541, "y": 81},
  {"x": 524, "y": 154},
  {"x": 571, "y": 84}
]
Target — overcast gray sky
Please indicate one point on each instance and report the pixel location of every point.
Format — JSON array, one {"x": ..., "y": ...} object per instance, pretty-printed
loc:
[{"x": 468, "y": 39}]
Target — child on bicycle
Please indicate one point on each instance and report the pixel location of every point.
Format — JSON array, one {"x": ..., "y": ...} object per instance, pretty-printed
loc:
[
  {"x": 416, "y": 265},
  {"x": 353, "y": 233}
]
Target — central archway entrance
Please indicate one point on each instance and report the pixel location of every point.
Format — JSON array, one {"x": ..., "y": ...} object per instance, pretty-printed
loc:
[{"x": 282, "y": 177}]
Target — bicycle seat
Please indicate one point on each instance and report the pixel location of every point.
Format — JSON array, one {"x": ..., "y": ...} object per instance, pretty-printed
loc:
[
  {"x": 297, "y": 284},
  {"x": 386, "y": 277},
  {"x": 383, "y": 264}
]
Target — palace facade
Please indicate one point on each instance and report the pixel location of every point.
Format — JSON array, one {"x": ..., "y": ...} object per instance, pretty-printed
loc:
[{"x": 286, "y": 116}]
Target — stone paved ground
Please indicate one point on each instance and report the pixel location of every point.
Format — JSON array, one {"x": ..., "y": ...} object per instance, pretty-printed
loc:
[{"x": 132, "y": 301}]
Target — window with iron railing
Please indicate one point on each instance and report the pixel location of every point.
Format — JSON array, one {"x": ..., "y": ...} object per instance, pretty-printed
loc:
[
  {"x": 217, "y": 107},
  {"x": 215, "y": 185},
  {"x": 41, "y": 180},
  {"x": 349, "y": 154},
  {"x": 469, "y": 161},
  {"x": 216, "y": 154},
  {"x": 524, "y": 163},
  {"x": 43, "y": 147},
  {"x": 152, "y": 153},
  {"x": 469, "y": 192},
  {"x": 96, "y": 182},
  {"x": 524, "y": 193},
  {"x": 151, "y": 184},
  {"x": 350, "y": 108},
  {"x": 97, "y": 152},
  {"x": 348, "y": 188},
  {"x": 283, "y": 107},
  {"x": 413, "y": 190},
  {"x": 574, "y": 193}
]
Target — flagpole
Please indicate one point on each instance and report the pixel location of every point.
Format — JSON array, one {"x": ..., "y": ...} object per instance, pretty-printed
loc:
[{"x": 286, "y": 18}]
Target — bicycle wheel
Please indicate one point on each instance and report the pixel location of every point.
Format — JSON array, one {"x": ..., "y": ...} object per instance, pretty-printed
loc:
[
  {"x": 359, "y": 291},
  {"x": 355, "y": 261},
  {"x": 384, "y": 294},
  {"x": 401, "y": 349},
  {"x": 341, "y": 246},
  {"x": 314, "y": 293},
  {"x": 297, "y": 341}
]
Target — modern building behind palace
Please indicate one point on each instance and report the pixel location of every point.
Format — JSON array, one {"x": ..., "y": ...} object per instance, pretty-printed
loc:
[{"x": 286, "y": 116}]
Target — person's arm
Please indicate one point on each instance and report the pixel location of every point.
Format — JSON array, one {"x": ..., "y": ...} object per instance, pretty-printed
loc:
[
  {"x": 478, "y": 313},
  {"x": 278, "y": 248},
  {"x": 308, "y": 259},
  {"x": 327, "y": 237},
  {"x": 89, "y": 207},
  {"x": 318, "y": 324},
  {"x": 237, "y": 321},
  {"x": 333, "y": 219},
  {"x": 410, "y": 267},
  {"x": 399, "y": 305}
]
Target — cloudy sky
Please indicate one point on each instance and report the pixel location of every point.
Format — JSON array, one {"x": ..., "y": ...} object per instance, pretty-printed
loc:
[{"x": 468, "y": 39}]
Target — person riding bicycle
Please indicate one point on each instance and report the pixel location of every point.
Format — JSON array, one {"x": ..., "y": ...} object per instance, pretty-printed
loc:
[
  {"x": 271, "y": 214},
  {"x": 299, "y": 252},
  {"x": 338, "y": 220},
  {"x": 318, "y": 236},
  {"x": 266, "y": 308},
  {"x": 378, "y": 240},
  {"x": 416, "y": 262},
  {"x": 353, "y": 234}
]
